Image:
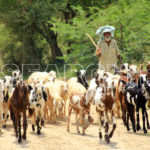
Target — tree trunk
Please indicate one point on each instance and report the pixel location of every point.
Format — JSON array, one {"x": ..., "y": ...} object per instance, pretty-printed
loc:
[
  {"x": 68, "y": 15},
  {"x": 51, "y": 38}
]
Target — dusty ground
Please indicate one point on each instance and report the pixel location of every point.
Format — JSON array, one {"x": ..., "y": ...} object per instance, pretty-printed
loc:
[{"x": 55, "y": 137}]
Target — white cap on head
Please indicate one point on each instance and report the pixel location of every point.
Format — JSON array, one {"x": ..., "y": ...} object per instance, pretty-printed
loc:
[{"x": 105, "y": 29}]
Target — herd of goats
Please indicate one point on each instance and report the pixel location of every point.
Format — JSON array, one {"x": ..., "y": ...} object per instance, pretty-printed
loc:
[{"x": 43, "y": 96}]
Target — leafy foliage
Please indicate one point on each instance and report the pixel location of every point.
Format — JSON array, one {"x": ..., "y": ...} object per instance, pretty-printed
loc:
[
  {"x": 42, "y": 32},
  {"x": 131, "y": 20}
]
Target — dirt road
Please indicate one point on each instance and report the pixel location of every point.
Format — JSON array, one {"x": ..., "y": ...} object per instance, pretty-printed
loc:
[{"x": 55, "y": 137}]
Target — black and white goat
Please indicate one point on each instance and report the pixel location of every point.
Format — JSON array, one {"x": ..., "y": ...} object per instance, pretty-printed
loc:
[
  {"x": 37, "y": 100},
  {"x": 123, "y": 67},
  {"x": 136, "y": 96},
  {"x": 81, "y": 78}
]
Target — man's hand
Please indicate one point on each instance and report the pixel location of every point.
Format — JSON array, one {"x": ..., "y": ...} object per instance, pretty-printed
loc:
[{"x": 98, "y": 52}]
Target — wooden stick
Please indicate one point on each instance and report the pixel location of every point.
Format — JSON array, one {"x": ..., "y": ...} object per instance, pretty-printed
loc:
[{"x": 92, "y": 40}]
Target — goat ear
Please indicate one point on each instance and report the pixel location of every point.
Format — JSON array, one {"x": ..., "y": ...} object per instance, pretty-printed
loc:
[
  {"x": 123, "y": 82},
  {"x": 78, "y": 73},
  {"x": 30, "y": 87},
  {"x": 97, "y": 82},
  {"x": 4, "y": 79},
  {"x": 106, "y": 75},
  {"x": 44, "y": 95},
  {"x": 122, "y": 66}
]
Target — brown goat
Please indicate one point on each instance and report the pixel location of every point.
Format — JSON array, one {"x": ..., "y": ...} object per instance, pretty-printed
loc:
[
  {"x": 105, "y": 103},
  {"x": 18, "y": 104},
  {"x": 120, "y": 96},
  {"x": 81, "y": 109}
]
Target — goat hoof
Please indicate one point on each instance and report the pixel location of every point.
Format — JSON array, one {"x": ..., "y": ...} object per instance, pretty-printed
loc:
[
  {"x": 138, "y": 127},
  {"x": 148, "y": 127},
  {"x": 33, "y": 128},
  {"x": 42, "y": 123},
  {"x": 24, "y": 137},
  {"x": 107, "y": 139},
  {"x": 4, "y": 126},
  {"x": 110, "y": 135},
  {"x": 124, "y": 123},
  {"x": 100, "y": 135},
  {"x": 19, "y": 140},
  {"x": 83, "y": 133},
  {"x": 134, "y": 131},
  {"x": 145, "y": 131},
  {"x": 38, "y": 132},
  {"x": 7, "y": 116}
]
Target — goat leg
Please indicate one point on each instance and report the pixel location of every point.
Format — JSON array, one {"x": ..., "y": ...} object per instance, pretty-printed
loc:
[
  {"x": 133, "y": 120},
  {"x": 33, "y": 121},
  {"x": 143, "y": 116},
  {"x": 99, "y": 123},
  {"x": 146, "y": 114},
  {"x": 138, "y": 120},
  {"x": 1, "y": 117},
  {"x": 127, "y": 124},
  {"x": 83, "y": 125},
  {"x": 4, "y": 114},
  {"x": 19, "y": 125},
  {"x": 24, "y": 125},
  {"x": 69, "y": 115},
  {"x": 106, "y": 128},
  {"x": 38, "y": 125},
  {"x": 42, "y": 117},
  {"x": 77, "y": 123},
  {"x": 114, "y": 124}
]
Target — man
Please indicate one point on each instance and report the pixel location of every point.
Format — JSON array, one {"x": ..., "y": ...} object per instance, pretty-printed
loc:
[{"x": 107, "y": 50}]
